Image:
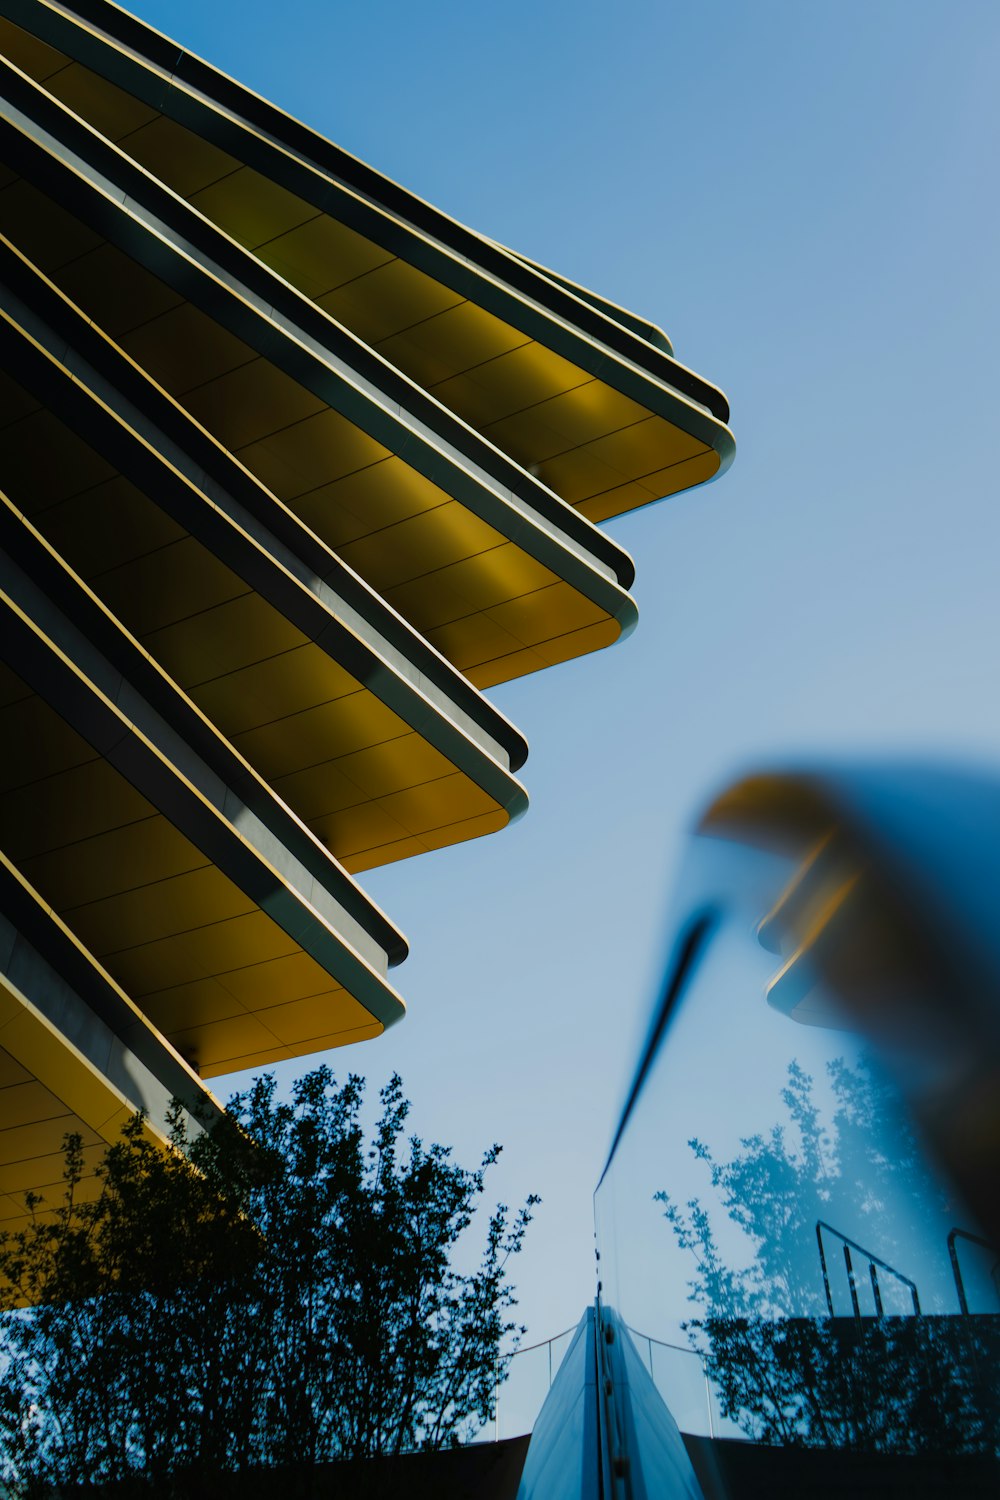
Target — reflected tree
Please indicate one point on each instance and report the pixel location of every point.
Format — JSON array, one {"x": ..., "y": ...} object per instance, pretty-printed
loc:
[{"x": 785, "y": 1371}]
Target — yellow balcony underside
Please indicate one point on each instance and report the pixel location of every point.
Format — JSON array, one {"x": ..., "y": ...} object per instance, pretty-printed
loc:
[
  {"x": 595, "y": 447},
  {"x": 217, "y": 975},
  {"x": 367, "y": 784},
  {"x": 488, "y": 604},
  {"x": 48, "y": 1090}
]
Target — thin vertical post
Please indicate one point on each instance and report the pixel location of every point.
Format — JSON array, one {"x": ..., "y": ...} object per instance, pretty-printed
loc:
[
  {"x": 956, "y": 1271},
  {"x": 822, "y": 1261},
  {"x": 850, "y": 1278}
]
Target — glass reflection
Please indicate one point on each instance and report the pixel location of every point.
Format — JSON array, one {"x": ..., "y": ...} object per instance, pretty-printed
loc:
[{"x": 768, "y": 1223}]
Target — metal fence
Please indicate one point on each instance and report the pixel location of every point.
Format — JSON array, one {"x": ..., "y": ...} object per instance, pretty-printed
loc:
[
  {"x": 519, "y": 1398},
  {"x": 677, "y": 1370},
  {"x": 680, "y": 1376}
]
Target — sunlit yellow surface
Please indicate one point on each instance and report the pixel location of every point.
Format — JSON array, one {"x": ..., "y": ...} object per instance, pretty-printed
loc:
[
  {"x": 367, "y": 783},
  {"x": 230, "y": 978},
  {"x": 48, "y": 1089},
  {"x": 225, "y": 984},
  {"x": 481, "y": 599},
  {"x": 592, "y": 445}
]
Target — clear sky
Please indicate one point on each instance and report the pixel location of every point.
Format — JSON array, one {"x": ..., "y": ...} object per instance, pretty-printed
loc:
[{"x": 804, "y": 197}]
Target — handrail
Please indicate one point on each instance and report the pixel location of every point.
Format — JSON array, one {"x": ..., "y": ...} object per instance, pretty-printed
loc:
[
  {"x": 956, "y": 1270},
  {"x": 508, "y": 1360},
  {"x": 873, "y": 1261},
  {"x": 663, "y": 1343},
  {"x": 527, "y": 1348},
  {"x": 680, "y": 1349}
]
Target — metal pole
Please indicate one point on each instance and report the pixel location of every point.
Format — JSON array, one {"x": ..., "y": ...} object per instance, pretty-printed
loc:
[
  {"x": 850, "y": 1277},
  {"x": 822, "y": 1261}
]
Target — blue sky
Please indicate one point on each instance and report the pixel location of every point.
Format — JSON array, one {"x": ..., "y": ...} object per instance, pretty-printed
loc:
[{"x": 804, "y": 197}]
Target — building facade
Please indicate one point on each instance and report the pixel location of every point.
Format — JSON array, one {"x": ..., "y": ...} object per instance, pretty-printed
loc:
[{"x": 293, "y": 468}]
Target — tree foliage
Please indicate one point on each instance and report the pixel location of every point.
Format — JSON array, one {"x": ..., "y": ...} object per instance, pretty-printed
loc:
[
  {"x": 785, "y": 1371},
  {"x": 278, "y": 1292}
]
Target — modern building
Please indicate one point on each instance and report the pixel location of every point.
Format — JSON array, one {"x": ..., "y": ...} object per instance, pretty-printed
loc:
[{"x": 293, "y": 468}]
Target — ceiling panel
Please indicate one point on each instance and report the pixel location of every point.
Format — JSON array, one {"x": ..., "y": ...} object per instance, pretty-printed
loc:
[
  {"x": 29, "y": 53},
  {"x": 321, "y": 254},
  {"x": 179, "y": 157},
  {"x": 388, "y": 299}
]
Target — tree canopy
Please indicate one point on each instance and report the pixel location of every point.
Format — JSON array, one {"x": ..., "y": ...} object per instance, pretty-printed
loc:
[
  {"x": 784, "y": 1371},
  {"x": 279, "y": 1291}
]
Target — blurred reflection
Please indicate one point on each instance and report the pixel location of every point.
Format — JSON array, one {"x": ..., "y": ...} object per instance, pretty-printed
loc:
[
  {"x": 836, "y": 1349},
  {"x": 803, "y": 1190}
]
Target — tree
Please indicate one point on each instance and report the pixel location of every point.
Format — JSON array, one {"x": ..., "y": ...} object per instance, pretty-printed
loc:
[
  {"x": 786, "y": 1372},
  {"x": 275, "y": 1292}
]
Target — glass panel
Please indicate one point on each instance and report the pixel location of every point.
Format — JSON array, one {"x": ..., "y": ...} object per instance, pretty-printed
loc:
[
  {"x": 792, "y": 1269},
  {"x": 521, "y": 1394}
]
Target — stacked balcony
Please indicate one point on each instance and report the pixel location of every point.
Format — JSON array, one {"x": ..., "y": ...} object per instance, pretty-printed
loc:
[{"x": 293, "y": 468}]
